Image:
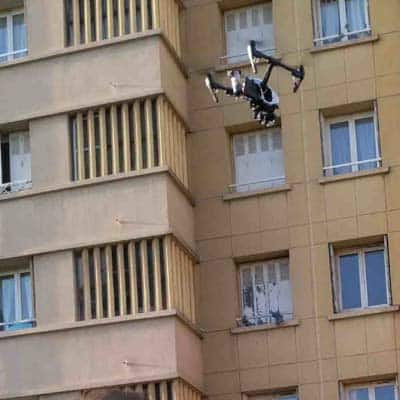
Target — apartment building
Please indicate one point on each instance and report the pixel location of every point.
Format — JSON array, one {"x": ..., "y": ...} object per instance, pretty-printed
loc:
[{"x": 155, "y": 241}]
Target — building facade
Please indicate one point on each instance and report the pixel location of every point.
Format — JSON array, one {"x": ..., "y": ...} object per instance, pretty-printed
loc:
[{"x": 153, "y": 240}]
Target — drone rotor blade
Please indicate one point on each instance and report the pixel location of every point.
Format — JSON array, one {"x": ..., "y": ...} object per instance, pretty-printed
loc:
[
  {"x": 209, "y": 83},
  {"x": 250, "y": 53}
]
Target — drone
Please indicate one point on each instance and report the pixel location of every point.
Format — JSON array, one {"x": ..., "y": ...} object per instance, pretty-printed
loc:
[{"x": 263, "y": 100}]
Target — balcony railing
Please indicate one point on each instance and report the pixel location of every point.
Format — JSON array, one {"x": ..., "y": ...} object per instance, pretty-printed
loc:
[
  {"x": 95, "y": 20},
  {"x": 134, "y": 277},
  {"x": 15, "y": 186},
  {"x": 131, "y": 136}
]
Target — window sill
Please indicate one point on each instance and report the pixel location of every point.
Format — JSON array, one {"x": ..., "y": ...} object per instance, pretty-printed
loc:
[
  {"x": 353, "y": 175},
  {"x": 347, "y": 43},
  {"x": 266, "y": 327},
  {"x": 243, "y": 195},
  {"x": 363, "y": 313}
]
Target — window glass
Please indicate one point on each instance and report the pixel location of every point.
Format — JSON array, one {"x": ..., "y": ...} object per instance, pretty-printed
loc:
[
  {"x": 386, "y": 392},
  {"x": 330, "y": 19},
  {"x": 19, "y": 35},
  {"x": 376, "y": 277},
  {"x": 3, "y": 38},
  {"x": 7, "y": 303},
  {"x": 355, "y": 14},
  {"x": 350, "y": 281},
  {"x": 26, "y": 297},
  {"x": 359, "y": 394},
  {"x": 340, "y": 143},
  {"x": 366, "y": 145}
]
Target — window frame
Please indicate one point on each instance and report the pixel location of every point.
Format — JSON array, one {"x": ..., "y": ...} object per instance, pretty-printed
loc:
[
  {"x": 225, "y": 13},
  {"x": 360, "y": 251},
  {"x": 328, "y": 167},
  {"x": 265, "y": 263},
  {"x": 371, "y": 388},
  {"x": 16, "y": 275},
  {"x": 343, "y": 36},
  {"x": 11, "y": 53},
  {"x": 270, "y": 183}
]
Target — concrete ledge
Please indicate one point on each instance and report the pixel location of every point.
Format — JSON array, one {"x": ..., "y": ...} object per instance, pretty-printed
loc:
[
  {"x": 266, "y": 327},
  {"x": 242, "y": 195},
  {"x": 363, "y": 313},
  {"x": 347, "y": 43},
  {"x": 354, "y": 175}
]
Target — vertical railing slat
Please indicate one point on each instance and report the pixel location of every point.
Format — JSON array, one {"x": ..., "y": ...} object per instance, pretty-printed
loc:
[
  {"x": 92, "y": 145},
  {"x": 149, "y": 133},
  {"x": 110, "y": 19},
  {"x": 167, "y": 250},
  {"x": 76, "y": 22},
  {"x": 126, "y": 137},
  {"x": 144, "y": 15},
  {"x": 121, "y": 279},
  {"x": 138, "y": 136},
  {"x": 114, "y": 139},
  {"x": 99, "y": 20},
  {"x": 110, "y": 282},
  {"x": 87, "y": 22},
  {"x": 98, "y": 282},
  {"x": 184, "y": 155},
  {"x": 145, "y": 276},
  {"x": 80, "y": 144},
  {"x": 132, "y": 15},
  {"x": 151, "y": 391},
  {"x": 103, "y": 141},
  {"x": 155, "y": 7},
  {"x": 133, "y": 277},
  {"x": 86, "y": 284},
  {"x": 121, "y": 17},
  {"x": 161, "y": 130},
  {"x": 192, "y": 289},
  {"x": 157, "y": 273},
  {"x": 164, "y": 391}
]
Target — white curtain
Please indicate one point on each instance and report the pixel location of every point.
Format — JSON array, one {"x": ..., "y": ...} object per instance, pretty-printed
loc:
[
  {"x": 19, "y": 34},
  {"x": 26, "y": 297},
  {"x": 355, "y": 13},
  {"x": 7, "y": 300},
  {"x": 340, "y": 146},
  {"x": 330, "y": 20},
  {"x": 366, "y": 145}
]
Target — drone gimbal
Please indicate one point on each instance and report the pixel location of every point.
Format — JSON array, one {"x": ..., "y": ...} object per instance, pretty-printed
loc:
[{"x": 263, "y": 100}]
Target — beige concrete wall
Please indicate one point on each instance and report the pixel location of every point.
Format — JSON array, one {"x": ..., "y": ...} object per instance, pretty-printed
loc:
[
  {"x": 54, "y": 285},
  {"x": 318, "y": 353},
  {"x": 86, "y": 357}
]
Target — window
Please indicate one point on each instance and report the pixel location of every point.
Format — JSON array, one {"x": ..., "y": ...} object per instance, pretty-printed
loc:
[
  {"x": 273, "y": 396},
  {"x": 372, "y": 391},
  {"x": 15, "y": 161},
  {"x": 245, "y": 24},
  {"x": 266, "y": 292},
  {"x": 339, "y": 20},
  {"x": 361, "y": 278},
  {"x": 12, "y": 36},
  {"x": 258, "y": 160},
  {"x": 16, "y": 308},
  {"x": 351, "y": 144}
]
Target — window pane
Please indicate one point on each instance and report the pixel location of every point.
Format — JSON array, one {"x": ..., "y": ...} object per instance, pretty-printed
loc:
[
  {"x": 355, "y": 13},
  {"x": 330, "y": 19},
  {"x": 376, "y": 277},
  {"x": 3, "y": 38},
  {"x": 340, "y": 143},
  {"x": 248, "y": 300},
  {"x": 7, "y": 299},
  {"x": 366, "y": 146},
  {"x": 385, "y": 392},
  {"x": 19, "y": 34},
  {"x": 359, "y": 394},
  {"x": 26, "y": 297},
  {"x": 350, "y": 281}
]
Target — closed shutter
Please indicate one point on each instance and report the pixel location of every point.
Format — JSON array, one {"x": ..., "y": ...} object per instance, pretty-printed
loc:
[
  {"x": 258, "y": 160},
  {"x": 20, "y": 158},
  {"x": 245, "y": 24}
]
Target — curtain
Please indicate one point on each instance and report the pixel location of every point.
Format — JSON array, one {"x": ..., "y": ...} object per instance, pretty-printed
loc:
[
  {"x": 19, "y": 34},
  {"x": 330, "y": 20},
  {"x": 355, "y": 13},
  {"x": 26, "y": 297},
  {"x": 7, "y": 287},
  {"x": 340, "y": 147},
  {"x": 3, "y": 38},
  {"x": 366, "y": 145}
]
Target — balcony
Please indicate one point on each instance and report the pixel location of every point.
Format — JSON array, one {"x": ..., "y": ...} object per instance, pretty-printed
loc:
[{"x": 111, "y": 353}]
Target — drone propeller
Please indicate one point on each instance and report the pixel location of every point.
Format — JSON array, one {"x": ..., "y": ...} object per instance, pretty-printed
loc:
[
  {"x": 209, "y": 81},
  {"x": 250, "y": 52}
]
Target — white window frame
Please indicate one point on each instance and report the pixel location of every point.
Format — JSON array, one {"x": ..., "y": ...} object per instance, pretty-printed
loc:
[
  {"x": 230, "y": 58},
  {"x": 371, "y": 388},
  {"x": 344, "y": 33},
  {"x": 351, "y": 119},
  {"x": 10, "y": 35},
  {"x": 265, "y": 264},
  {"x": 18, "y": 306},
  {"x": 13, "y": 186},
  {"x": 271, "y": 182},
  {"x": 360, "y": 251}
]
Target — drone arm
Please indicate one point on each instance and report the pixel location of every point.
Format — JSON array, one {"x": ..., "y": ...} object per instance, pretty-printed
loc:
[{"x": 214, "y": 86}]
